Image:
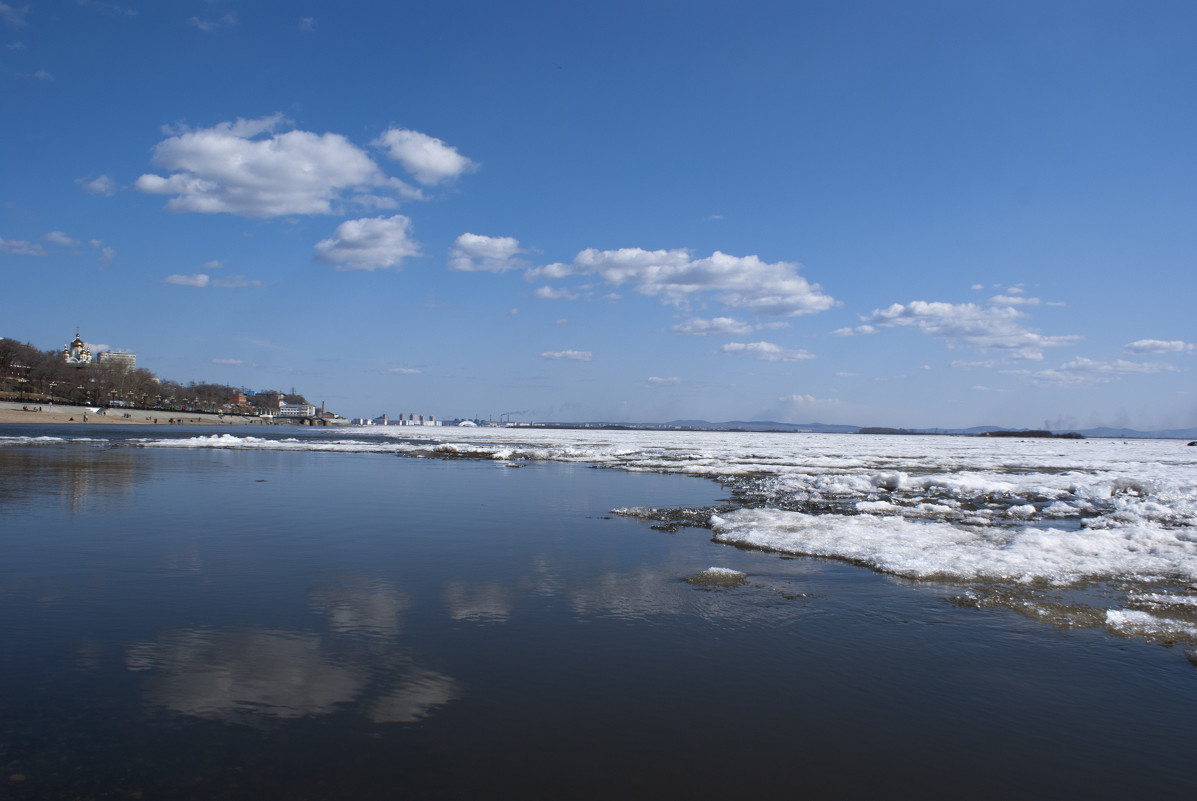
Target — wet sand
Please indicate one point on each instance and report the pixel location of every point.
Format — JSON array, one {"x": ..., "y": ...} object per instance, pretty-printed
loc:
[{"x": 12, "y": 413}]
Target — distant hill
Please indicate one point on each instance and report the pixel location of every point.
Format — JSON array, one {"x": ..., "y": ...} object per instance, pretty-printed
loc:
[
  {"x": 1130, "y": 433},
  {"x": 762, "y": 425},
  {"x": 832, "y": 428}
]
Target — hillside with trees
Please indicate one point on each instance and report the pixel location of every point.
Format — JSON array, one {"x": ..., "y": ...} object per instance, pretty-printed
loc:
[{"x": 42, "y": 376}]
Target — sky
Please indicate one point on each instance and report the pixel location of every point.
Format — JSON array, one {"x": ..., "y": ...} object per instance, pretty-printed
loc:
[{"x": 923, "y": 214}]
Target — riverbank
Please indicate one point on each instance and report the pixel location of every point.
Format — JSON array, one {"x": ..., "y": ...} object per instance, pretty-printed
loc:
[{"x": 13, "y": 413}]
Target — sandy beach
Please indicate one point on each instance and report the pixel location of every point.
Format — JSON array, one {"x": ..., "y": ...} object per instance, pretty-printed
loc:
[{"x": 44, "y": 414}]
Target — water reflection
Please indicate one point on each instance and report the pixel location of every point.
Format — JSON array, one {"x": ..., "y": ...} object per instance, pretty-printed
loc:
[
  {"x": 361, "y": 606},
  {"x": 246, "y": 675},
  {"x": 486, "y": 603},
  {"x": 235, "y": 675},
  {"x": 30, "y": 473},
  {"x": 414, "y": 697}
]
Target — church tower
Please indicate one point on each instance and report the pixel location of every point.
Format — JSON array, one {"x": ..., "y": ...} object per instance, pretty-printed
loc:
[{"x": 76, "y": 351}]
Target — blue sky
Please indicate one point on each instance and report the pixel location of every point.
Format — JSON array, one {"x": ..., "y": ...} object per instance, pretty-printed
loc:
[{"x": 908, "y": 214}]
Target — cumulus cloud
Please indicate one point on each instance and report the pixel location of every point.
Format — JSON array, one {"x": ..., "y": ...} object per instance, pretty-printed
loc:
[
  {"x": 1013, "y": 300},
  {"x": 997, "y": 327},
  {"x": 722, "y": 326},
  {"x": 660, "y": 381},
  {"x": 740, "y": 282},
  {"x": 1082, "y": 372},
  {"x": 198, "y": 280},
  {"x": 369, "y": 244},
  {"x": 102, "y": 185},
  {"x": 60, "y": 239},
  {"x": 570, "y": 355},
  {"x": 799, "y": 401},
  {"x": 548, "y": 293},
  {"x": 858, "y": 331},
  {"x": 1159, "y": 346},
  {"x": 21, "y": 247},
  {"x": 475, "y": 252},
  {"x": 766, "y": 351},
  {"x": 107, "y": 254},
  {"x": 428, "y": 159},
  {"x": 231, "y": 168}
]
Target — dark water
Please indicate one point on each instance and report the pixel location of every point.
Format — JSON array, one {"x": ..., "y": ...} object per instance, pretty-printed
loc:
[{"x": 301, "y": 625}]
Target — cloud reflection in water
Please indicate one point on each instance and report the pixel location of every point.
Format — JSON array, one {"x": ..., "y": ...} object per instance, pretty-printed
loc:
[{"x": 244, "y": 675}]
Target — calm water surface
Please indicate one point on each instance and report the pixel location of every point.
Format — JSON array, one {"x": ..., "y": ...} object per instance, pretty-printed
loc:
[{"x": 304, "y": 625}]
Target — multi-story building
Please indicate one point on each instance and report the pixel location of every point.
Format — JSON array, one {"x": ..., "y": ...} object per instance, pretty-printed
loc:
[
  {"x": 296, "y": 410},
  {"x": 126, "y": 361}
]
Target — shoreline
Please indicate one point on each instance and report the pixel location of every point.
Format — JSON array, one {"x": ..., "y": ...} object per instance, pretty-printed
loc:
[{"x": 18, "y": 413}]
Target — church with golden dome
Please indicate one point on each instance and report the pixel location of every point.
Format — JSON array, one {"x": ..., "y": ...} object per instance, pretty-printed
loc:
[{"x": 76, "y": 352}]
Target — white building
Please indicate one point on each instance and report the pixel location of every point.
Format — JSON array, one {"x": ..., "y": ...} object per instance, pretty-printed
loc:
[
  {"x": 296, "y": 410},
  {"x": 76, "y": 352},
  {"x": 127, "y": 361}
]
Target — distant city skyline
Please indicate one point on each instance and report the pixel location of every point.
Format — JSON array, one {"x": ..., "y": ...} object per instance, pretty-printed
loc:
[{"x": 919, "y": 215}]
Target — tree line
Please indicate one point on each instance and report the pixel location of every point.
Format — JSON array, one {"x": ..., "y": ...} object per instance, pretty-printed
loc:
[{"x": 43, "y": 376}]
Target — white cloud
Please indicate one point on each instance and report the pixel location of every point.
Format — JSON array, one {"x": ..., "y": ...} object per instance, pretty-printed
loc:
[
  {"x": 21, "y": 247},
  {"x": 60, "y": 239},
  {"x": 858, "y": 331},
  {"x": 14, "y": 16},
  {"x": 1013, "y": 300},
  {"x": 1159, "y": 346},
  {"x": 675, "y": 276},
  {"x": 307, "y": 23},
  {"x": 401, "y": 371},
  {"x": 228, "y": 362},
  {"x": 806, "y": 401},
  {"x": 102, "y": 185},
  {"x": 198, "y": 280},
  {"x": 548, "y": 293},
  {"x": 1082, "y": 372},
  {"x": 766, "y": 351},
  {"x": 718, "y": 326},
  {"x": 968, "y": 324},
  {"x": 208, "y": 26},
  {"x": 369, "y": 243},
  {"x": 214, "y": 264},
  {"x": 659, "y": 381},
  {"x": 571, "y": 355},
  {"x": 109, "y": 8},
  {"x": 427, "y": 158},
  {"x": 227, "y": 168},
  {"x": 988, "y": 364},
  {"x": 475, "y": 252},
  {"x": 978, "y": 287},
  {"x": 722, "y": 326}
]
